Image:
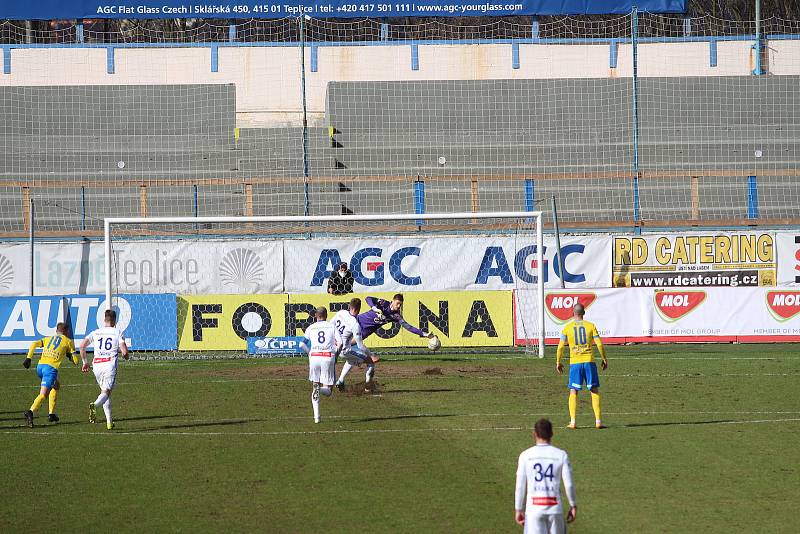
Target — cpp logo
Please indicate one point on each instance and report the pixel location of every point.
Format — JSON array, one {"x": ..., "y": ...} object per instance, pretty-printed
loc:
[
  {"x": 367, "y": 266},
  {"x": 495, "y": 263}
]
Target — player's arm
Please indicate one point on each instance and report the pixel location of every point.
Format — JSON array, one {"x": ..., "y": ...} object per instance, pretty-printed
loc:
[
  {"x": 36, "y": 344},
  {"x": 520, "y": 492},
  {"x": 305, "y": 344},
  {"x": 84, "y": 344},
  {"x": 413, "y": 329},
  {"x": 600, "y": 348},
  {"x": 379, "y": 306},
  {"x": 562, "y": 344},
  {"x": 569, "y": 488},
  {"x": 123, "y": 347},
  {"x": 71, "y": 352}
]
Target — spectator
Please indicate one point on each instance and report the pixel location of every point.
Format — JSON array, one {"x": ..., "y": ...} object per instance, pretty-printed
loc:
[{"x": 341, "y": 281}]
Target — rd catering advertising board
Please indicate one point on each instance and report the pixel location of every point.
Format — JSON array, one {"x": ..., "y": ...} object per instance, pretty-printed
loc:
[{"x": 737, "y": 259}]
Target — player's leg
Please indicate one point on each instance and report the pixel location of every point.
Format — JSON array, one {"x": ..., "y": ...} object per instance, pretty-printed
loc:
[
  {"x": 576, "y": 380},
  {"x": 107, "y": 410},
  {"x": 51, "y": 404},
  {"x": 593, "y": 385},
  {"x": 345, "y": 369},
  {"x": 556, "y": 524},
  {"x": 536, "y": 524},
  {"x": 328, "y": 377},
  {"x": 314, "y": 376}
]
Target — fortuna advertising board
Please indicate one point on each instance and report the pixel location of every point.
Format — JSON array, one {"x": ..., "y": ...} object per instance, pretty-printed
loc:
[{"x": 464, "y": 318}]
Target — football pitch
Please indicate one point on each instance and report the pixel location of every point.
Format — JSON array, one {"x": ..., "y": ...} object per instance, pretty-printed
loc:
[{"x": 701, "y": 438}]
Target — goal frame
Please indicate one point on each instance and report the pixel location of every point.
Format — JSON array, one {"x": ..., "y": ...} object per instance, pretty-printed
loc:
[{"x": 109, "y": 222}]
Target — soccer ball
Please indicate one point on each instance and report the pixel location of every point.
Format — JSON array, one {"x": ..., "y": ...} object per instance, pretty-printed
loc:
[{"x": 434, "y": 343}]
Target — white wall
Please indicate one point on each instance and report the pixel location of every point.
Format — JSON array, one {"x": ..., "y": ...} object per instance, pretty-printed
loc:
[{"x": 267, "y": 78}]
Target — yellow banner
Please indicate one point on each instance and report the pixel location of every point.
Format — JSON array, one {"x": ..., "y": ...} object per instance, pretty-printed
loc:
[
  {"x": 224, "y": 322},
  {"x": 458, "y": 318}
]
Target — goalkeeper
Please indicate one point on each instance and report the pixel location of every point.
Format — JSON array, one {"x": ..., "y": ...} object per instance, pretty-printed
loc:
[{"x": 382, "y": 312}]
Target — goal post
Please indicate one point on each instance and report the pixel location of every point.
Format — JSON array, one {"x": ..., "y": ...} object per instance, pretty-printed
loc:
[{"x": 456, "y": 266}]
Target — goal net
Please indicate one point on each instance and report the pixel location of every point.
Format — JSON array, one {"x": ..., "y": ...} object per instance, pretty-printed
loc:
[{"x": 231, "y": 286}]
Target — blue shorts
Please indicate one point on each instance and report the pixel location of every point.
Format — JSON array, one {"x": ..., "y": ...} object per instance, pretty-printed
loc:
[
  {"x": 48, "y": 374},
  {"x": 580, "y": 373}
]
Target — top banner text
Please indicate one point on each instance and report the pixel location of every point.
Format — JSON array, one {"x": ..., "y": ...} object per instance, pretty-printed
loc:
[{"x": 247, "y": 9}]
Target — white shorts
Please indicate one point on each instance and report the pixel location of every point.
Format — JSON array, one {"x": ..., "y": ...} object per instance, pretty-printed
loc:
[
  {"x": 322, "y": 369},
  {"x": 545, "y": 524},
  {"x": 105, "y": 375},
  {"x": 355, "y": 357}
]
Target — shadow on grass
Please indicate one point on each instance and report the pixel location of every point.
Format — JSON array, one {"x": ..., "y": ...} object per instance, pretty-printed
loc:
[
  {"x": 398, "y": 417},
  {"x": 424, "y": 390},
  {"x": 204, "y": 424},
  {"x": 679, "y": 423}
]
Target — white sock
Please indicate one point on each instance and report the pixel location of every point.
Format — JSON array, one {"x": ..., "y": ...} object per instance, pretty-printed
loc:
[
  {"x": 315, "y": 402},
  {"x": 101, "y": 399},
  {"x": 107, "y": 409},
  {"x": 326, "y": 391},
  {"x": 345, "y": 369},
  {"x": 370, "y": 372}
]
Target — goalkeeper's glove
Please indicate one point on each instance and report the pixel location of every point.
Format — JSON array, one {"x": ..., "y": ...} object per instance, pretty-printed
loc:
[
  {"x": 378, "y": 312},
  {"x": 27, "y": 363},
  {"x": 427, "y": 334}
]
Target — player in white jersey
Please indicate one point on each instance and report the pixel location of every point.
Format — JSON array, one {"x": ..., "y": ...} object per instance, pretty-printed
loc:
[
  {"x": 108, "y": 342},
  {"x": 540, "y": 471},
  {"x": 351, "y": 344},
  {"x": 320, "y": 343}
]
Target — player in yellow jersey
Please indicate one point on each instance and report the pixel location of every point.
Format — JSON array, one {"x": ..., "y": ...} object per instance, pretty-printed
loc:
[
  {"x": 55, "y": 349},
  {"x": 580, "y": 335}
]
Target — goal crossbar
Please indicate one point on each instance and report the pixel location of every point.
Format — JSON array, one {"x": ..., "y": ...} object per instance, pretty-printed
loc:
[{"x": 522, "y": 215}]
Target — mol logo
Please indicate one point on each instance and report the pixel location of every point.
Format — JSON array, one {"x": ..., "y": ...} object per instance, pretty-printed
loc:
[
  {"x": 672, "y": 305},
  {"x": 783, "y": 305},
  {"x": 559, "y": 305}
]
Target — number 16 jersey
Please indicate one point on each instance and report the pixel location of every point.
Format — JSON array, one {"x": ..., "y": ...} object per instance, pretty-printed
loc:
[{"x": 105, "y": 341}]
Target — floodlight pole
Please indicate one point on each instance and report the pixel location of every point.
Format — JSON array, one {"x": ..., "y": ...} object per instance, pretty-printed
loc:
[
  {"x": 31, "y": 242},
  {"x": 758, "y": 71},
  {"x": 306, "y": 208},
  {"x": 559, "y": 257}
]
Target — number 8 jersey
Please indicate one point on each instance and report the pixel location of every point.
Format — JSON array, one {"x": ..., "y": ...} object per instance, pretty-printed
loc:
[{"x": 106, "y": 342}]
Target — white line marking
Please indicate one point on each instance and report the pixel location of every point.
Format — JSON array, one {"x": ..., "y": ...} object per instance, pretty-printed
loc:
[
  {"x": 389, "y": 378},
  {"x": 362, "y": 431}
]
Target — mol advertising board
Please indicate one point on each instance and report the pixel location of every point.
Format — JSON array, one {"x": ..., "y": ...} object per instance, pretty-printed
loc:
[
  {"x": 447, "y": 263},
  {"x": 149, "y": 321},
  {"x": 164, "y": 266},
  {"x": 738, "y": 259},
  {"x": 747, "y": 314},
  {"x": 225, "y": 322}
]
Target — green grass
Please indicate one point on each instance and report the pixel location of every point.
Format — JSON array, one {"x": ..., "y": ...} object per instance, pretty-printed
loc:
[{"x": 702, "y": 438}]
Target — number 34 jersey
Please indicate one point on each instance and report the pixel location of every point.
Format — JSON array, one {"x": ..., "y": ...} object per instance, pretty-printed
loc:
[
  {"x": 106, "y": 342},
  {"x": 540, "y": 471}
]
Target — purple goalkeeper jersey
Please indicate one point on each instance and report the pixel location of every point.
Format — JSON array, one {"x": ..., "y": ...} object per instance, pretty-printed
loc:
[{"x": 371, "y": 320}]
